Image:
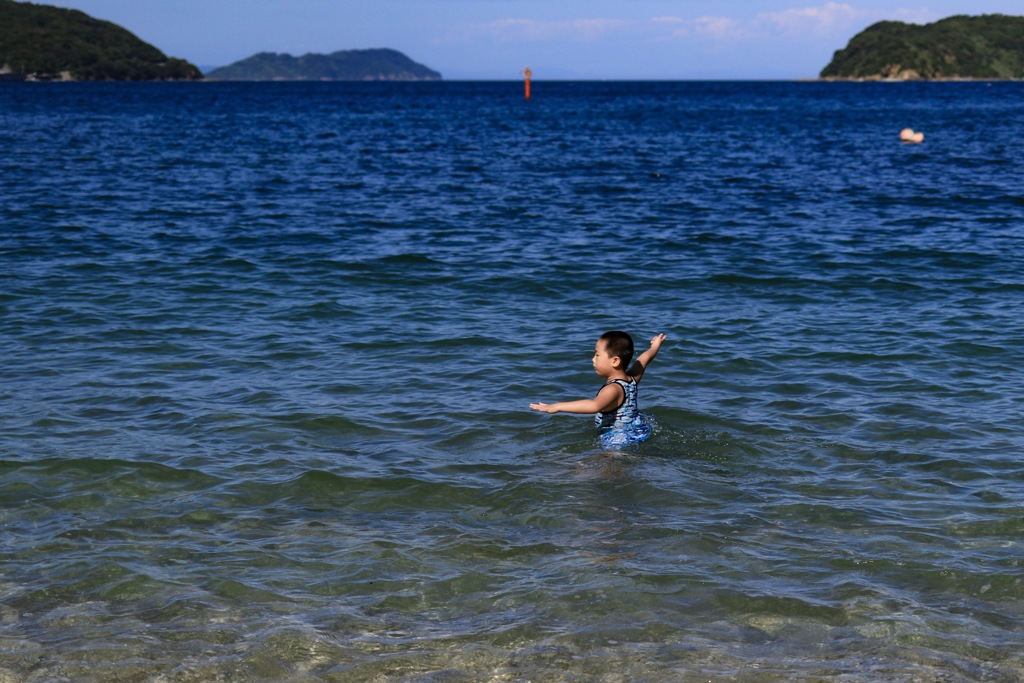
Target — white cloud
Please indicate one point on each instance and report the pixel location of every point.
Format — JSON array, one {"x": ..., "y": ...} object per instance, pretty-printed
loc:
[
  {"x": 829, "y": 21},
  {"x": 721, "y": 28},
  {"x": 825, "y": 19},
  {"x": 665, "y": 27},
  {"x": 531, "y": 30}
]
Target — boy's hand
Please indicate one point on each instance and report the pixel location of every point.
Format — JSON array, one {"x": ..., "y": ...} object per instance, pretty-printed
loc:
[{"x": 644, "y": 359}]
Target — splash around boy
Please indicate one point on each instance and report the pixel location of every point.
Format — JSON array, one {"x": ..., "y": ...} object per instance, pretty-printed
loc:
[{"x": 616, "y": 415}]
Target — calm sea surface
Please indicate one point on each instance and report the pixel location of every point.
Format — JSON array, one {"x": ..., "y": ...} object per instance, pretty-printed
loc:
[{"x": 268, "y": 350}]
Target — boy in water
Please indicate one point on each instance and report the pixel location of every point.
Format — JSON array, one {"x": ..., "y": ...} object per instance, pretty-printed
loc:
[{"x": 618, "y": 419}]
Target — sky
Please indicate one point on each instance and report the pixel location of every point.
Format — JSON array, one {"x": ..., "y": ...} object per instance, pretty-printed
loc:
[{"x": 556, "y": 39}]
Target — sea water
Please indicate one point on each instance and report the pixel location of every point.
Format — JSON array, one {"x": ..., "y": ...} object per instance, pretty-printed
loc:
[{"x": 268, "y": 352}]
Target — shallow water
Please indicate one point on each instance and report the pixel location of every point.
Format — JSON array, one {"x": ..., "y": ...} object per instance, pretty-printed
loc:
[{"x": 269, "y": 351}]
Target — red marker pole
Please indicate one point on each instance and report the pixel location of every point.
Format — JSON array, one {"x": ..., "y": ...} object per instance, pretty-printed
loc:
[{"x": 528, "y": 73}]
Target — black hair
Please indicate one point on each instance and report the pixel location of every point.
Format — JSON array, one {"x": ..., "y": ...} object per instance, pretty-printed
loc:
[{"x": 619, "y": 344}]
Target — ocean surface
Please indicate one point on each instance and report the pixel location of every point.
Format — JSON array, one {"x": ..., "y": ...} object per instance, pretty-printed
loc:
[{"x": 268, "y": 352}]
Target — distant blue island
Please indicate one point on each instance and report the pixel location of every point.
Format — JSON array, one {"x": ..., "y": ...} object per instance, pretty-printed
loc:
[{"x": 345, "y": 65}]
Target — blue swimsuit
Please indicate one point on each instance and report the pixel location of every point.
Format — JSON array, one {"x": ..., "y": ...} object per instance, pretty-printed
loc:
[{"x": 626, "y": 424}]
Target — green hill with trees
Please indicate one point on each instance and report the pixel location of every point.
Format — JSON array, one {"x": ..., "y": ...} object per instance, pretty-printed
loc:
[
  {"x": 960, "y": 47},
  {"x": 40, "y": 42},
  {"x": 344, "y": 65}
]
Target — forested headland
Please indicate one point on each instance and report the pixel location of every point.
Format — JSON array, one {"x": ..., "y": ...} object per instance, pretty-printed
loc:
[{"x": 957, "y": 48}]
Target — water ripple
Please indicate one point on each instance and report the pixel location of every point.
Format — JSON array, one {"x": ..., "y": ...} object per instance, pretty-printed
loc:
[{"x": 268, "y": 357}]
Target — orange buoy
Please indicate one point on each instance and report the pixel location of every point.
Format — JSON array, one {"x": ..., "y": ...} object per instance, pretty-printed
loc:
[{"x": 528, "y": 73}]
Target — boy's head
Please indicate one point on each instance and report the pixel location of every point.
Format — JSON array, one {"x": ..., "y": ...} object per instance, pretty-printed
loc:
[{"x": 618, "y": 345}]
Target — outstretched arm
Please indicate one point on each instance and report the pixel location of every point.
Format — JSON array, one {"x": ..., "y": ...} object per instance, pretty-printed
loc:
[
  {"x": 645, "y": 358},
  {"x": 609, "y": 398}
]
